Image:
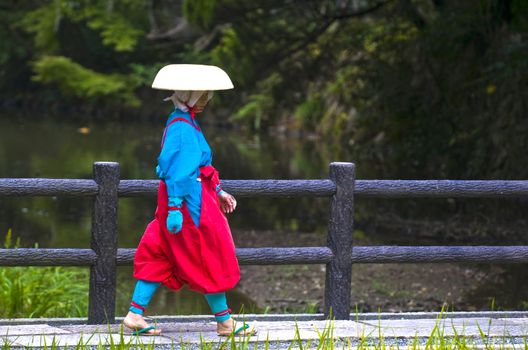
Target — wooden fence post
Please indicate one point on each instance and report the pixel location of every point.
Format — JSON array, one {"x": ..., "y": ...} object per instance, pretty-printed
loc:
[
  {"x": 101, "y": 308},
  {"x": 339, "y": 270}
]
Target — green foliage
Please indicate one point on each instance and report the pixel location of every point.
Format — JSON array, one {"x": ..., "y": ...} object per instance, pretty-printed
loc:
[
  {"x": 231, "y": 54},
  {"x": 43, "y": 23},
  {"x": 113, "y": 25},
  {"x": 72, "y": 78},
  {"x": 200, "y": 12},
  {"x": 116, "y": 31},
  {"x": 76, "y": 45},
  {"x": 256, "y": 111},
  {"x": 42, "y": 291},
  {"x": 309, "y": 112},
  {"x": 141, "y": 74}
]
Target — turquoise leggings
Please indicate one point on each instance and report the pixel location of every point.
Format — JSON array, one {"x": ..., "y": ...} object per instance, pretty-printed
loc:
[{"x": 145, "y": 290}]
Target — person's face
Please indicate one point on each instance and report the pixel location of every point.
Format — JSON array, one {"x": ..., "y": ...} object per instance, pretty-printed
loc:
[{"x": 201, "y": 103}]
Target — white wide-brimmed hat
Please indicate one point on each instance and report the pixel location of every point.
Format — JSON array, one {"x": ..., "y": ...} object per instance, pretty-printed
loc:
[{"x": 192, "y": 77}]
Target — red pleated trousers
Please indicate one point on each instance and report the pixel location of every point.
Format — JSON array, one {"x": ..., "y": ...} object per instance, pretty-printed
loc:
[{"x": 203, "y": 258}]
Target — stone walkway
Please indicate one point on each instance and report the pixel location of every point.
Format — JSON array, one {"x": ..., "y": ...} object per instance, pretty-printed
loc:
[{"x": 279, "y": 330}]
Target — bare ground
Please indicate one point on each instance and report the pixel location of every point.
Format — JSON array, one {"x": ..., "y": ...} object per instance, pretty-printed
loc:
[{"x": 384, "y": 287}]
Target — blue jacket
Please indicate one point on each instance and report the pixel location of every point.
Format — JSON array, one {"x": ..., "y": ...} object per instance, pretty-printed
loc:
[{"x": 183, "y": 151}]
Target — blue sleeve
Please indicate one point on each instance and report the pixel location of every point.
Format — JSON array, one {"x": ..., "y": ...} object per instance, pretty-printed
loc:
[{"x": 179, "y": 159}]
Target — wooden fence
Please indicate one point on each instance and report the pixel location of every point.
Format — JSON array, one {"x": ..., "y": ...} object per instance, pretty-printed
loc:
[{"x": 339, "y": 254}]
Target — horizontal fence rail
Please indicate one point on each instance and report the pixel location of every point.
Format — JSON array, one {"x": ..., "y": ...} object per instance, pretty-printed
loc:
[
  {"x": 260, "y": 256},
  {"x": 47, "y": 187},
  {"x": 243, "y": 188},
  {"x": 363, "y": 188},
  {"x": 439, "y": 254},
  {"x": 47, "y": 257},
  {"x": 282, "y": 188},
  {"x": 290, "y": 256},
  {"x": 440, "y": 188},
  {"x": 125, "y": 256},
  {"x": 339, "y": 255}
]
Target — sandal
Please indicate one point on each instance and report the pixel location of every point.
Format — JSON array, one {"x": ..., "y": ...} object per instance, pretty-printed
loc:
[
  {"x": 145, "y": 331},
  {"x": 244, "y": 330},
  {"x": 149, "y": 330}
]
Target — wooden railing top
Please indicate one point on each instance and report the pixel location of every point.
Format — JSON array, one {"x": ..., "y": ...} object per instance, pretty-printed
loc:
[
  {"x": 441, "y": 188},
  {"x": 283, "y": 188},
  {"x": 288, "y": 255}
]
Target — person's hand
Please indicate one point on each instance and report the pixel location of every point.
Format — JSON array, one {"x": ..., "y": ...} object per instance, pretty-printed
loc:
[
  {"x": 227, "y": 202},
  {"x": 174, "y": 221}
]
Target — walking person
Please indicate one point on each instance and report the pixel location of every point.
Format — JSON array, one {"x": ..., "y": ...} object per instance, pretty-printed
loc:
[{"x": 189, "y": 241}]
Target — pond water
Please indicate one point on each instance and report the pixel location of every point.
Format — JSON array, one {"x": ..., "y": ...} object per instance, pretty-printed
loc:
[{"x": 53, "y": 149}]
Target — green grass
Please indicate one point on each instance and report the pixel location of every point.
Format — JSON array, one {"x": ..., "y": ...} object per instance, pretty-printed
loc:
[
  {"x": 326, "y": 340},
  {"x": 42, "y": 291}
]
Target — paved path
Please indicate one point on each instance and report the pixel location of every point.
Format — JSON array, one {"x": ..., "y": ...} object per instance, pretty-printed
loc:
[{"x": 280, "y": 330}]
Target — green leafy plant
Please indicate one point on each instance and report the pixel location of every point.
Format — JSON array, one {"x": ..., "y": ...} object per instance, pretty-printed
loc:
[
  {"x": 72, "y": 78},
  {"x": 42, "y": 291}
]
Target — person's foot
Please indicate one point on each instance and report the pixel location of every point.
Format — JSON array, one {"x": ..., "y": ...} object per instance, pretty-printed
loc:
[
  {"x": 138, "y": 325},
  {"x": 229, "y": 327}
]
